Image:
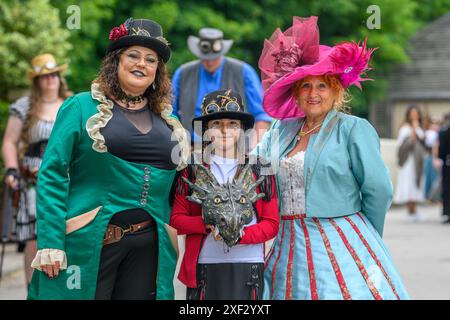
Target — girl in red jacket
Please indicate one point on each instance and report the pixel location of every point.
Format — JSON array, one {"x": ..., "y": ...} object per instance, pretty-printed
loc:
[{"x": 210, "y": 269}]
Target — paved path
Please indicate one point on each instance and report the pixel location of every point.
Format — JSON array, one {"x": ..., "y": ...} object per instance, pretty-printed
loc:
[{"x": 421, "y": 252}]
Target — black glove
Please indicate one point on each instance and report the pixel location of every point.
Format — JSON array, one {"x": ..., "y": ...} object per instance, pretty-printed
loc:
[{"x": 14, "y": 172}]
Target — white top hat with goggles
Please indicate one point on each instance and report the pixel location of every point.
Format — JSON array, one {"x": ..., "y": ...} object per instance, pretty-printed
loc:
[{"x": 209, "y": 45}]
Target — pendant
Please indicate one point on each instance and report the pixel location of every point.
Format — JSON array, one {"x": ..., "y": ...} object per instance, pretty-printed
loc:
[{"x": 302, "y": 134}]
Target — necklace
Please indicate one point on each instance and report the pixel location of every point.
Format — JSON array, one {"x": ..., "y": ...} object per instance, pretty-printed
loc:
[
  {"x": 302, "y": 134},
  {"x": 132, "y": 99},
  {"x": 130, "y": 110},
  {"x": 122, "y": 96}
]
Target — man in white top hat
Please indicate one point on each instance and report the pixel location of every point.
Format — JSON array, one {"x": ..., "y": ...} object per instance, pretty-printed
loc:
[{"x": 214, "y": 71}]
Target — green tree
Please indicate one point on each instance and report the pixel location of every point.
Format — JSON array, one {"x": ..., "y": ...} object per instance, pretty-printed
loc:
[
  {"x": 28, "y": 28},
  {"x": 89, "y": 40},
  {"x": 248, "y": 23},
  {"x": 23, "y": 35}
]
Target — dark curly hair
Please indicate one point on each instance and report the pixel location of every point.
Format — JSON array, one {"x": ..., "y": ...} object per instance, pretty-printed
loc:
[{"x": 108, "y": 79}]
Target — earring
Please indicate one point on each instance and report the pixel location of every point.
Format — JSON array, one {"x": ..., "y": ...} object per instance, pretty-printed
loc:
[{"x": 153, "y": 86}]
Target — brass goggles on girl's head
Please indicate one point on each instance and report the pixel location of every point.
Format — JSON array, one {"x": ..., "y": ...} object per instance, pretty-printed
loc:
[{"x": 214, "y": 107}]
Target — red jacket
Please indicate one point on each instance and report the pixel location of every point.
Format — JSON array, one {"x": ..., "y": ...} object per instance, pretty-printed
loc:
[{"x": 187, "y": 218}]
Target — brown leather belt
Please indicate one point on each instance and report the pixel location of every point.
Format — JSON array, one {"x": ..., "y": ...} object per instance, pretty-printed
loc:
[{"x": 115, "y": 233}]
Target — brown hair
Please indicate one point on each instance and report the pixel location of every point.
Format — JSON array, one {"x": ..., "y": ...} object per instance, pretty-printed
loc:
[
  {"x": 408, "y": 114},
  {"x": 207, "y": 143},
  {"x": 32, "y": 115},
  {"x": 159, "y": 99},
  {"x": 108, "y": 80},
  {"x": 342, "y": 97}
]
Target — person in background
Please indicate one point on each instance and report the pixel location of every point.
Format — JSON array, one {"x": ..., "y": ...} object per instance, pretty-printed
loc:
[
  {"x": 27, "y": 132},
  {"x": 432, "y": 180},
  {"x": 410, "y": 187},
  {"x": 213, "y": 71}
]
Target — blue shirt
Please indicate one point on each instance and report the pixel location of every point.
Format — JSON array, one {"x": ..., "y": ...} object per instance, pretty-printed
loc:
[{"x": 209, "y": 82}]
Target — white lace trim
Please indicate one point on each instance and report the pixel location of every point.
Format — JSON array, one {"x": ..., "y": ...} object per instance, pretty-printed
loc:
[
  {"x": 292, "y": 185},
  {"x": 100, "y": 119},
  {"x": 49, "y": 257}
]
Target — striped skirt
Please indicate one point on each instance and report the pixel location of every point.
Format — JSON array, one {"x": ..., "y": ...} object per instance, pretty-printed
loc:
[
  {"x": 330, "y": 258},
  {"x": 25, "y": 226}
]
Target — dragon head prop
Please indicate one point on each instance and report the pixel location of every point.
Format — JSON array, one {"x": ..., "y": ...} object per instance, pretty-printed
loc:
[{"x": 229, "y": 206}]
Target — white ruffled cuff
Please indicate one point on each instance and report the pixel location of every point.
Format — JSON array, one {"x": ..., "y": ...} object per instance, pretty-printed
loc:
[{"x": 49, "y": 256}]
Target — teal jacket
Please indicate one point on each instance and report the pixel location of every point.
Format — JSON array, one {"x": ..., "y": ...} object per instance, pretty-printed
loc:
[
  {"x": 75, "y": 181},
  {"x": 344, "y": 172}
]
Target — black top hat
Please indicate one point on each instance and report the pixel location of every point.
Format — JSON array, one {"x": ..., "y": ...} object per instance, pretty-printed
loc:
[
  {"x": 224, "y": 104},
  {"x": 140, "y": 32},
  {"x": 209, "y": 44}
]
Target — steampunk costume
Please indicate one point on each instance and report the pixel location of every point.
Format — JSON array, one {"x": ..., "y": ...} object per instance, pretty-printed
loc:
[
  {"x": 103, "y": 208},
  {"x": 23, "y": 227},
  {"x": 228, "y": 195},
  {"x": 334, "y": 195}
]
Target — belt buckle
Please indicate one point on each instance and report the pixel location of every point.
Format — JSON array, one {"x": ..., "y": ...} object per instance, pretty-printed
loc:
[
  {"x": 117, "y": 233},
  {"x": 124, "y": 231},
  {"x": 109, "y": 234}
]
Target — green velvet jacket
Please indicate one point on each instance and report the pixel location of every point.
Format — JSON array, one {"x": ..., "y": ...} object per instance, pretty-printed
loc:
[{"x": 74, "y": 179}]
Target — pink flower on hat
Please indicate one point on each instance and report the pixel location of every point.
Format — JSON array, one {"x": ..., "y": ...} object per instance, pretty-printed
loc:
[
  {"x": 287, "y": 59},
  {"x": 118, "y": 32},
  {"x": 290, "y": 56},
  {"x": 285, "y": 51},
  {"x": 351, "y": 60}
]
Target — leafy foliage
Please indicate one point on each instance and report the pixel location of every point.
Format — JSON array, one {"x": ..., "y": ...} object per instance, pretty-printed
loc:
[{"x": 25, "y": 34}]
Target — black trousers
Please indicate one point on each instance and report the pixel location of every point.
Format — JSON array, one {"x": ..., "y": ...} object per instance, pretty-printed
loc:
[
  {"x": 228, "y": 281},
  {"x": 446, "y": 190},
  {"x": 128, "y": 268}
]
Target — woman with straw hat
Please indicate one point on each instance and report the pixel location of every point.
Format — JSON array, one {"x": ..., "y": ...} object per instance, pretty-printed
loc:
[{"x": 29, "y": 126}]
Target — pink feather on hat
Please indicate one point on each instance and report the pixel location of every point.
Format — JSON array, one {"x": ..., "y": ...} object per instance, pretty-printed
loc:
[{"x": 351, "y": 60}]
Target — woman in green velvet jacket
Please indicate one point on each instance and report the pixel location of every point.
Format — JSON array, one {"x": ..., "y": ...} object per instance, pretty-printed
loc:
[{"x": 111, "y": 154}]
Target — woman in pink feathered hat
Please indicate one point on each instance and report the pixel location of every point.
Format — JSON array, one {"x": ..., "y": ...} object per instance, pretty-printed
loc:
[{"x": 334, "y": 188}]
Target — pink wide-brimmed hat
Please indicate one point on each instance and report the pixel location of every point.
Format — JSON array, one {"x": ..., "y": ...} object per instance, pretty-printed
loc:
[{"x": 290, "y": 56}]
